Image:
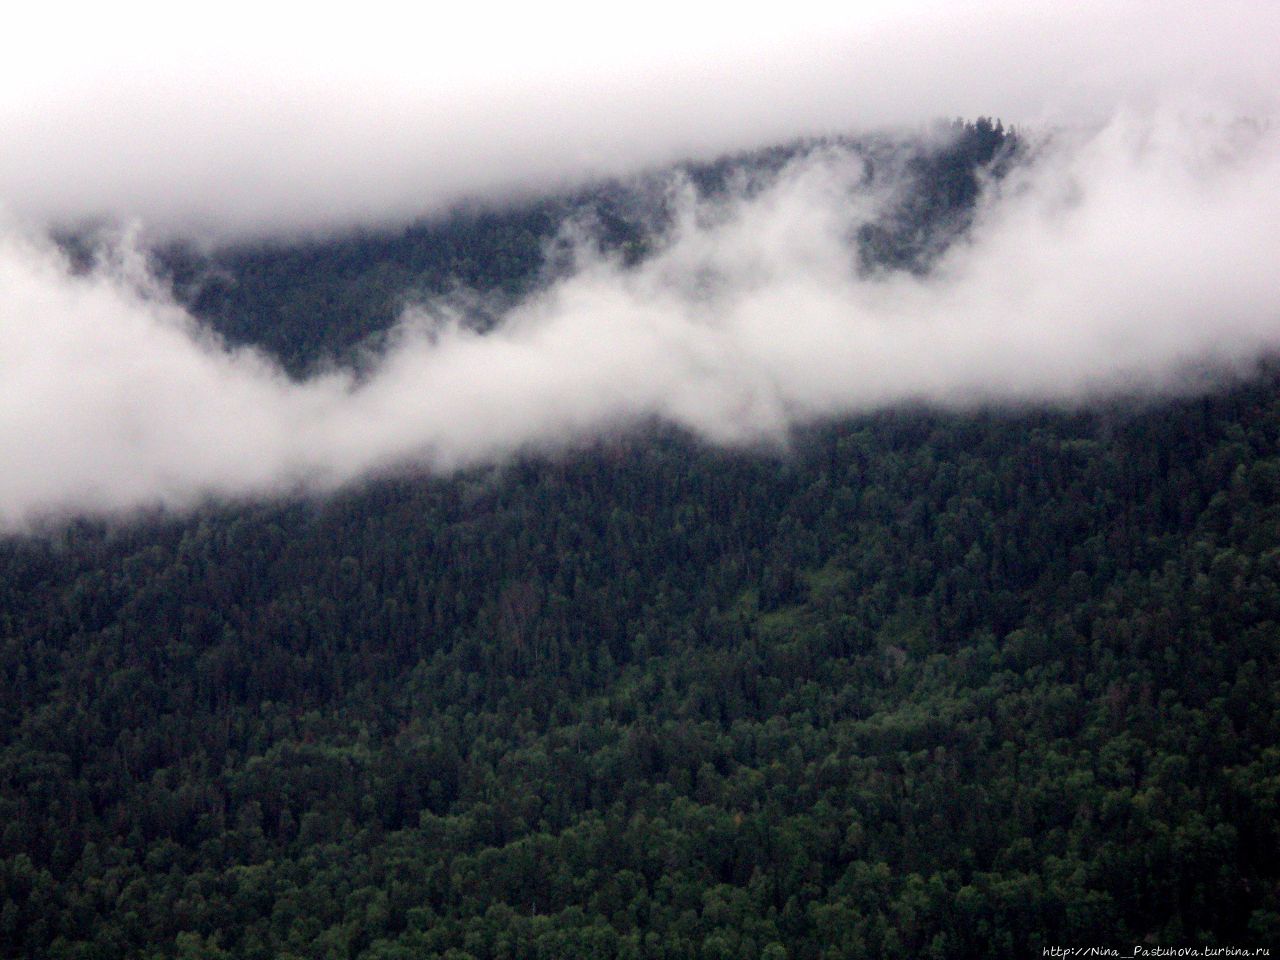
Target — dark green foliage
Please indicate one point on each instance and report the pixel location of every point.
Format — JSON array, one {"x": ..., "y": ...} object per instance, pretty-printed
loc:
[
  {"x": 314, "y": 301},
  {"x": 928, "y": 686},
  {"x": 937, "y": 201}
]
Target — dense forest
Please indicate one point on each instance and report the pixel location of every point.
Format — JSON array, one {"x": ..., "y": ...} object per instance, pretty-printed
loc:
[{"x": 923, "y": 684}]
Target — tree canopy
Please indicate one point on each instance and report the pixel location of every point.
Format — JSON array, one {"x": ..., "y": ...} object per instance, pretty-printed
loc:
[{"x": 926, "y": 684}]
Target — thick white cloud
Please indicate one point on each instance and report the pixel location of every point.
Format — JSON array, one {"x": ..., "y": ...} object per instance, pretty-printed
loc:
[
  {"x": 1116, "y": 259},
  {"x": 1142, "y": 240},
  {"x": 265, "y": 117}
]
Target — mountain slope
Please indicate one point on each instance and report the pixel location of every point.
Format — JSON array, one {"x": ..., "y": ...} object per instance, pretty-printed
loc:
[
  {"x": 921, "y": 684},
  {"x": 310, "y": 302},
  {"x": 931, "y": 685}
]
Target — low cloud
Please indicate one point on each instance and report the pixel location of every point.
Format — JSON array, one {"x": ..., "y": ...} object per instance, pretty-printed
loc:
[
  {"x": 1112, "y": 260},
  {"x": 260, "y": 119}
]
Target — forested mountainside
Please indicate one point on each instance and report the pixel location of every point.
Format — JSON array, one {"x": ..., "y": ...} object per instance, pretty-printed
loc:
[
  {"x": 924, "y": 684},
  {"x": 312, "y": 302}
]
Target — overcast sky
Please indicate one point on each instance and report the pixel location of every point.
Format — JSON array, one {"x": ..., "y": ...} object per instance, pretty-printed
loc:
[
  {"x": 1141, "y": 242},
  {"x": 251, "y": 116}
]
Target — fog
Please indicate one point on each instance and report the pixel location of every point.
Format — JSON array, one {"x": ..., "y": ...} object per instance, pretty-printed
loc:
[
  {"x": 1137, "y": 243},
  {"x": 1116, "y": 259},
  {"x": 265, "y": 119}
]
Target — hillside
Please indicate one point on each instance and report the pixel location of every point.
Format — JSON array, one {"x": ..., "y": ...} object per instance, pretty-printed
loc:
[
  {"x": 924, "y": 684},
  {"x": 314, "y": 301}
]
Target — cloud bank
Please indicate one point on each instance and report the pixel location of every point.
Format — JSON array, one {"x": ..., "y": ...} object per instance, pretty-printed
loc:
[
  {"x": 260, "y": 119},
  {"x": 1114, "y": 259},
  {"x": 1141, "y": 239}
]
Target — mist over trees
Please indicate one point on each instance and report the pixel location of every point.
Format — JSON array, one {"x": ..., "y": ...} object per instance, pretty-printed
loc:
[
  {"x": 314, "y": 301},
  {"x": 922, "y": 684},
  {"x": 738, "y": 299}
]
